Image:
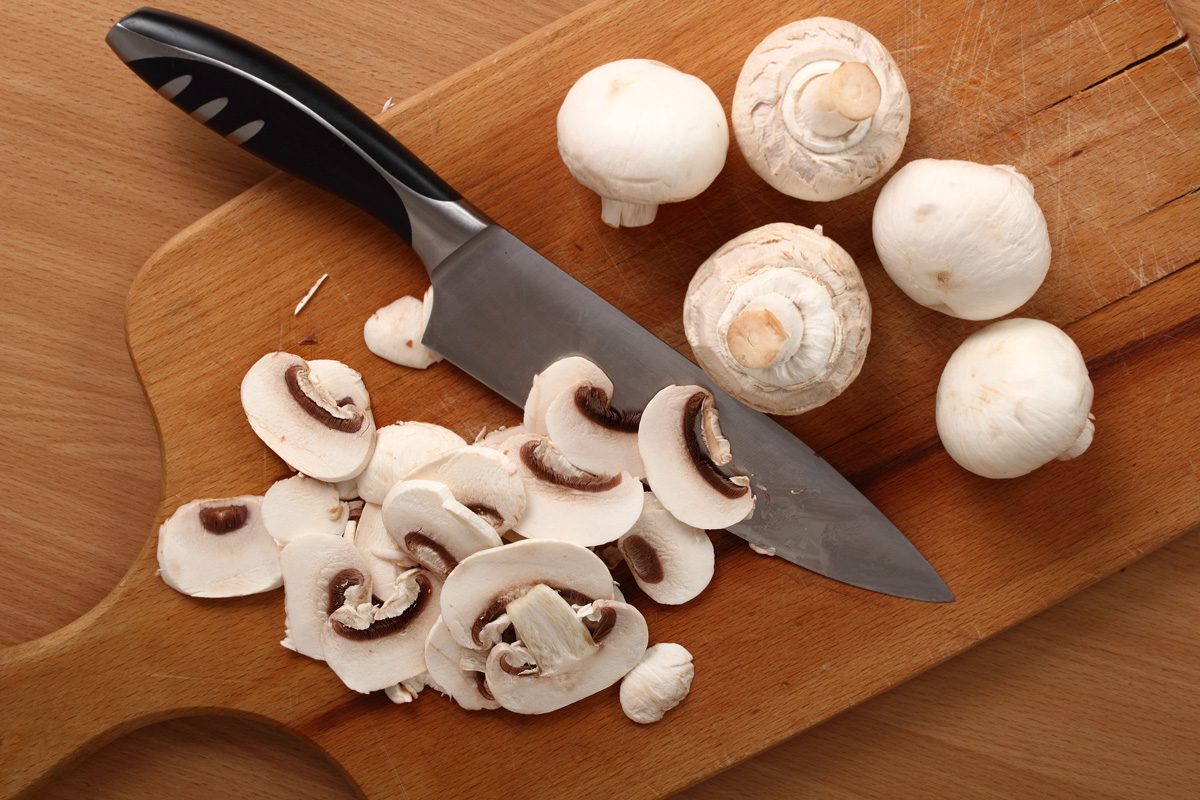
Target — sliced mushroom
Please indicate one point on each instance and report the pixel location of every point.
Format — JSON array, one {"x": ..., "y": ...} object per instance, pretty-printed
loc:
[
  {"x": 459, "y": 671},
  {"x": 494, "y": 438},
  {"x": 399, "y": 449},
  {"x": 314, "y": 432},
  {"x": 407, "y": 690},
  {"x": 672, "y": 562},
  {"x": 385, "y": 561},
  {"x": 374, "y": 647},
  {"x": 548, "y": 384},
  {"x": 394, "y": 332},
  {"x": 478, "y": 591},
  {"x": 299, "y": 505},
  {"x": 591, "y": 433},
  {"x": 432, "y": 528},
  {"x": 481, "y": 478},
  {"x": 316, "y": 569},
  {"x": 567, "y": 503},
  {"x": 557, "y": 660},
  {"x": 343, "y": 382},
  {"x": 683, "y": 450},
  {"x": 658, "y": 683},
  {"x": 218, "y": 548}
]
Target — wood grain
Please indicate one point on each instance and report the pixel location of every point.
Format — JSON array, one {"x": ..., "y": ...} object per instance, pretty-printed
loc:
[{"x": 1162, "y": 220}]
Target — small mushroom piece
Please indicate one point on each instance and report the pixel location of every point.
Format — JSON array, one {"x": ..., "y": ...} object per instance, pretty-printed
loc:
[
  {"x": 374, "y": 647},
  {"x": 1014, "y": 396},
  {"x": 478, "y": 591},
  {"x": 399, "y": 449},
  {"x": 457, "y": 670},
  {"x": 589, "y": 431},
  {"x": 294, "y": 415},
  {"x": 407, "y": 690},
  {"x": 557, "y": 659},
  {"x": 299, "y": 505},
  {"x": 566, "y": 373},
  {"x": 483, "y": 479},
  {"x": 965, "y": 239},
  {"x": 394, "y": 332},
  {"x": 311, "y": 569},
  {"x": 343, "y": 382},
  {"x": 640, "y": 133},
  {"x": 658, "y": 683},
  {"x": 495, "y": 437},
  {"x": 820, "y": 110},
  {"x": 384, "y": 560},
  {"x": 567, "y": 503},
  {"x": 218, "y": 548},
  {"x": 683, "y": 450},
  {"x": 671, "y": 562},
  {"x": 432, "y": 528},
  {"x": 779, "y": 317}
]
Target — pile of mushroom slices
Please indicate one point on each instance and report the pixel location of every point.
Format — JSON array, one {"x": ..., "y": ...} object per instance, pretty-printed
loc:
[{"x": 390, "y": 543}]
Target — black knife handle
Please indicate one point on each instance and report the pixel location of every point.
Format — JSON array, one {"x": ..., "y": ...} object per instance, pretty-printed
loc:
[{"x": 288, "y": 118}]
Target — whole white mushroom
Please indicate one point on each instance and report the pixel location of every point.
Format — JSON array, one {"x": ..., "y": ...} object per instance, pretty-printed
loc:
[
  {"x": 962, "y": 238},
  {"x": 1014, "y": 396},
  {"x": 640, "y": 133}
]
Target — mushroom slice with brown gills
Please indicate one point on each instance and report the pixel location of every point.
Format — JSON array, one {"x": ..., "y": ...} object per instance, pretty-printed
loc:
[
  {"x": 557, "y": 659},
  {"x": 458, "y": 671},
  {"x": 343, "y": 382},
  {"x": 399, "y": 449},
  {"x": 566, "y": 373},
  {"x": 314, "y": 432},
  {"x": 374, "y": 647},
  {"x": 568, "y": 503},
  {"x": 483, "y": 479},
  {"x": 218, "y": 548},
  {"x": 300, "y": 505},
  {"x": 683, "y": 450},
  {"x": 477, "y": 592},
  {"x": 591, "y": 433},
  {"x": 314, "y": 567},
  {"x": 384, "y": 560},
  {"x": 672, "y": 562},
  {"x": 433, "y": 529}
]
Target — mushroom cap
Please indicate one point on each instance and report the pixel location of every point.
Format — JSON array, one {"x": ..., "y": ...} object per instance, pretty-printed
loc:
[
  {"x": 592, "y": 434},
  {"x": 384, "y": 560},
  {"x": 380, "y": 646},
  {"x": 658, "y": 683},
  {"x": 343, "y": 382},
  {"x": 483, "y": 584},
  {"x": 302, "y": 423},
  {"x": 640, "y": 131},
  {"x": 299, "y": 505},
  {"x": 672, "y": 562},
  {"x": 566, "y": 373},
  {"x": 682, "y": 449},
  {"x": 310, "y": 565},
  {"x": 965, "y": 239},
  {"x": 432, "y": 528},
  {"x": 620, "y": 644},
  {"x": 1013, "y": 396},
  {"x": 566, "y": 503},
  {"x": 483, "y": 479},
  {"x": 399, "y": 449},
  {"x": 394, "y": 332},
  {"x": 809, "y": 287},
  {"x": 446, "y": 659},
  {"x": 776, "y": 70},
  {"x": 218, "y": 548}
]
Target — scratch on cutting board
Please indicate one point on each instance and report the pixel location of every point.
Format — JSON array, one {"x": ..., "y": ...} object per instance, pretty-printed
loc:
[
  {"x": 1161, "y": 118},
  {"x": 395, "y": 771}
]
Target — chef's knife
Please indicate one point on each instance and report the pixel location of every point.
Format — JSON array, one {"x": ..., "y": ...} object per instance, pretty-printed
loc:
[{"x": 502, "y": 312}]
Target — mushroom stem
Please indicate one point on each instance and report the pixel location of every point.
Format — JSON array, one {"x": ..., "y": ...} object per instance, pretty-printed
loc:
[
  {"x": 618, "y": 213},
  {"x": 766, "y": 332},
  {"x": 851, "y": 90},
  {"x": 549, "y": 629}
]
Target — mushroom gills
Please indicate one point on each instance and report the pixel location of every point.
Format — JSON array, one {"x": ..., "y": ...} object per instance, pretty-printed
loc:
[
  {"x": 671, "y": 562},
  {"x": 432, "y": 528},
  {"x": 457, "y": 671},
  {"x": 592, "y": 434},
  {"x": 316, "y": 568}
]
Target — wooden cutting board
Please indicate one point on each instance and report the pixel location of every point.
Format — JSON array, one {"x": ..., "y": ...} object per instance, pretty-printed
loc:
[{"x": 1096, "y": 103}]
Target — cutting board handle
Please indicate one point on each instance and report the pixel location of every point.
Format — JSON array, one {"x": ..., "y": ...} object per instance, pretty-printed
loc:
[{"x": 290, "y": 119}]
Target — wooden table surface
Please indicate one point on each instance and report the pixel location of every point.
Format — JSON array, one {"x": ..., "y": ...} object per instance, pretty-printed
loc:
[{"x": 1095, "y": 697}]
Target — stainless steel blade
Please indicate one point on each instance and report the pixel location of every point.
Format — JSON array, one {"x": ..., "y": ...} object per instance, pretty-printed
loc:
[{"x": 502, "y": 313}]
